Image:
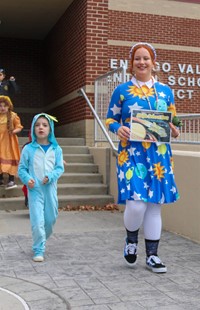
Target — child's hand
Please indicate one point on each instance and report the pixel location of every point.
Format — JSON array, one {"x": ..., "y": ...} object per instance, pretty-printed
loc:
[
  {"x": 31, "y": 183},
  {"x": 15, "y": 131},
  {"x": 45, "y": 180}
]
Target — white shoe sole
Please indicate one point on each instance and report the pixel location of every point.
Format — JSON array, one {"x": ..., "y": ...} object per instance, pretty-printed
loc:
[
  {"x": 11, "y": 187},
  {"x": 38, "y": 259},
  {"x": 157, "y": 270},
  {"x": 130, "y": 264}
]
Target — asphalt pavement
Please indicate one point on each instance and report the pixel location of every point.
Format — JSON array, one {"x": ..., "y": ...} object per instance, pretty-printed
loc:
[{"x": 84, "y": 267}]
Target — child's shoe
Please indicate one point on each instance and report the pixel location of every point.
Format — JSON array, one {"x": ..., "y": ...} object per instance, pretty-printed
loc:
[
  {"x": 11, "y": 185},
  {"x": 38, "y": 258}
]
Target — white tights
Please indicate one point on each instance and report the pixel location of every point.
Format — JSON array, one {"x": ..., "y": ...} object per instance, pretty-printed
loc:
[{"x": 138, "y": 212}]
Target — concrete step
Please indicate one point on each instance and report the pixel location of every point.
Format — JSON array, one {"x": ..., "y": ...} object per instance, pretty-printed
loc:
[
  {"x": 81, "y": 184},
  {"x": 78, "y": 158},
  {"x": 14, "y": 192},
  {"x": 63, "y": 189},
  {"x": 68, "y": 177},
  {"x": 81, "y": 178},
  {"x": 61, "y": 141},
  {"x": 68, "y": 149},
  {"x": 17, "y": 203},
  {"x": 82, "y": 167},
  {"x": 81, "y": 189}
]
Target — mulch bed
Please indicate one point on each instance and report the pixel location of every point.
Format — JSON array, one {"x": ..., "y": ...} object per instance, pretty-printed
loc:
[{"x": 108, "y": 207}]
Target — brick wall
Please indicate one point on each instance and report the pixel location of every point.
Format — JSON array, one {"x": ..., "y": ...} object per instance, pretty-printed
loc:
[
  {"x": 76, "y": 52},
  {"x": 154, "y": 28},
  {"x": 182, "y": 105},
  {"x": 65, "y": 50},
  {"x": 135, "y": 27},
  {"x": 96, "y": 39},
  {"x": 24, "y": 60}
]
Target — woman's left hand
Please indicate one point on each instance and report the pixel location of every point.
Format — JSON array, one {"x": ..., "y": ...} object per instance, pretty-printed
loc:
[{"x": 175, "y": 133}]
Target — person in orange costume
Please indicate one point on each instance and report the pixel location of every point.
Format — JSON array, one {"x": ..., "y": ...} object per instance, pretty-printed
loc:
[{"x": 10, "y": 126}]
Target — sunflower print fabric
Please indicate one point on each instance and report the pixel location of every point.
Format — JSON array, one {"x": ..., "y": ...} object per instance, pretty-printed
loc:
[{"x": 144, "y": 169}]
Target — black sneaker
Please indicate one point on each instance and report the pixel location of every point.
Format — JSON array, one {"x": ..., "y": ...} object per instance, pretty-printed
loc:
[
  {"x": 11, "y": 185},
  {"x": 1, "y": 183},
  {"x": 130, "y": 253},
  {"x": 155, "y": 264}
]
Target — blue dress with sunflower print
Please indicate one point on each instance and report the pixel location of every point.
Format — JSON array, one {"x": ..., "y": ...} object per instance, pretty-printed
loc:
[{"x": 144, "y": 169}]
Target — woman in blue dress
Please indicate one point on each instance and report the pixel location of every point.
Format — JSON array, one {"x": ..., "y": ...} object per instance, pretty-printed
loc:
[{"x": 144, "y": 168}]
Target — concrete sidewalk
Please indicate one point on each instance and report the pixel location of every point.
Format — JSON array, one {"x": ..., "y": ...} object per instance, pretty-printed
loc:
[{"x": 84, "y": 267}]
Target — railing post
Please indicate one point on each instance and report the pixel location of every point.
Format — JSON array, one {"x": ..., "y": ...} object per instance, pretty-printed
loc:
[{"x": 98, "y": 120}]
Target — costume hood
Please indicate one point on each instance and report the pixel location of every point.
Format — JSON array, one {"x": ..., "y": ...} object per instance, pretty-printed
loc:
[{"x": 51, "y": 136}]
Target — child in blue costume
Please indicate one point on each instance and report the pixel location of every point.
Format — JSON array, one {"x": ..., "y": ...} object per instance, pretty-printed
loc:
[
  {"x": 144, "y": 169},
  {"x": 40, "y": 166}
]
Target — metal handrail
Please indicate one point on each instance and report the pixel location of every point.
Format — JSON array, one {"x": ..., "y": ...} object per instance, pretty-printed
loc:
[
  {"x": 103, "y": 89},
  {"x": 187, "y": 116},
  {"x": 190, "y": 131},
  {"x": 109, "y": 139},
  {"x": 122, "y": 69},
  {"x": 99, "y": 121}
]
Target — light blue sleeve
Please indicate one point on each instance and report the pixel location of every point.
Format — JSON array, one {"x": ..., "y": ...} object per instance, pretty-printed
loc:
[
  {"x": 113, "y": 119},
  {"x": 54, "y": 175},
  {"x": 23, "y": 168}
]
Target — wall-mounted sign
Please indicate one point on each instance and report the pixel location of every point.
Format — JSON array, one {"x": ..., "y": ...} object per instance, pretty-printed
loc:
[{"x": 185, "y": 78}]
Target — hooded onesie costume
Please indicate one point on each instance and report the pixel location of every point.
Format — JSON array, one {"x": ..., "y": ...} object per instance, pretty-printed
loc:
[{"x": 37, "y": 164}]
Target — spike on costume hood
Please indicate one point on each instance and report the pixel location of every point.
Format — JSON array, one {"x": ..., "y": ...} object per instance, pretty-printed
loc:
[{"x": 51, "y": 136}]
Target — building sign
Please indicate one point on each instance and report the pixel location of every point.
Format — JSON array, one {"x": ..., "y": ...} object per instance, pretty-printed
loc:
[{"x": 185, "y": 78}]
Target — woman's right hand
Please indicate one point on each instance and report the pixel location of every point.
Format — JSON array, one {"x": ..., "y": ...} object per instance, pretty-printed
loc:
[{"x": 123, "y": 133}]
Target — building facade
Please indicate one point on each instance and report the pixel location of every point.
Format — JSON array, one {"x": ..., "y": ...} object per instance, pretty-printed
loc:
[{"x": 93, "y": 37}]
